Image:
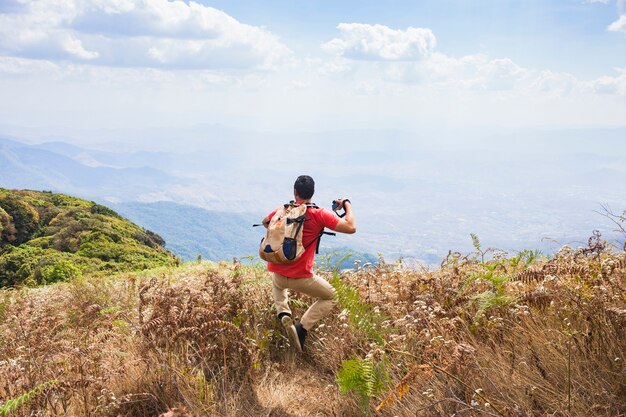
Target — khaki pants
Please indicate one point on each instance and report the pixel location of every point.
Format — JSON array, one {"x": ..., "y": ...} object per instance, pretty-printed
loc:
[{"x": 315, "y": 287}]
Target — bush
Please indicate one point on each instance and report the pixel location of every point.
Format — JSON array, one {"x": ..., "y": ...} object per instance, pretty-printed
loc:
[
  {"x": 25, "y": 217},
  {"x": 59, "y": 271},
  {"x": 19, "y": 264},
  {"x": 49, "y": 237},
  {"x": 100, "y": 209},
  {"x": 7, "y": 228}
]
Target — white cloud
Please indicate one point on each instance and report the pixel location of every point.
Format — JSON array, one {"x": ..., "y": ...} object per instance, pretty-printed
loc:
[
  {"x": 71, "y": 75},
  {"x": 470, "y": 72},
  {"x": 142, "y": 33},
  {"x": 19, "y": 66},
  {"x": 619, "y": 25},
  {"x": 360, "y": 41},
  {"x": 387, "y": 51},
  {"x": 554, "y": 83},
  {"x": 408, "y": 56},
  {"x": 337, "y": 67},
  {"x": 611, "y": 85}
]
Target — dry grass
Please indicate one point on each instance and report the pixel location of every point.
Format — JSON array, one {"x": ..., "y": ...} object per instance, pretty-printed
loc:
[{"x": 468, "y": 339}]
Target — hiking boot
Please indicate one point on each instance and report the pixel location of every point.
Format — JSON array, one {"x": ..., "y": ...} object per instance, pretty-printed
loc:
[
  {"x": 301, "y": 334},
  {"x": 292, "y": 332}
]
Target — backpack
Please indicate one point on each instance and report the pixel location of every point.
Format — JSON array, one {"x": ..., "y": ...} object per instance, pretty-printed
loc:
[{"x": 282, "y": 243}]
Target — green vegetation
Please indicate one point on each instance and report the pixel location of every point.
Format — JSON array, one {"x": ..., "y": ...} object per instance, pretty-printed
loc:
[
  {"x": 10, "y": 407},
  {"x": 46, "y": 237},
  {"x": 367, "y": 377}
]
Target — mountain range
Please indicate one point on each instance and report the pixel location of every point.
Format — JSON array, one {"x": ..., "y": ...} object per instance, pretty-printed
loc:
[{"x": 416, "y": 195}]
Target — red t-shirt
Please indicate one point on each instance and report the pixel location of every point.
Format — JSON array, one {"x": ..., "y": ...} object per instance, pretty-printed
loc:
[{"x": 316, "y": 220}]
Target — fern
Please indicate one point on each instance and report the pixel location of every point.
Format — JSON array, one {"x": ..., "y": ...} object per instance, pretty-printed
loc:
[
  {"x": 10, "y": 406},
  {"x": 361, "y": 315},
  {"x": 5, "y": 300},
  {"x": 365, "y": 377},
  {"x": 488, "y": 300},
  {"x": 476, "y": 243},
  {"x": 495, "y": 297},
  {"x": 526, "y": 256},
  {"x": 490, "y": 276}
]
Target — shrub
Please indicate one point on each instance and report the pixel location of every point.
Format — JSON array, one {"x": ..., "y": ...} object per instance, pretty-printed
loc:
[
  {"x": 25, "y": 217},
  {"x": 7, "y": 228},
  {"x": 62, "y": 228},
  {"x": 100, "y": 209},
  {"x": 59, "y": 271}
]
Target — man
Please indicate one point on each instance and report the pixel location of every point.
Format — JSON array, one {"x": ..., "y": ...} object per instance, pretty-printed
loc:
[{"x": 299, "y": 275}]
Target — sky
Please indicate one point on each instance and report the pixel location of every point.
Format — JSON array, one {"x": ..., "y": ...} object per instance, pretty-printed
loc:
[
  {"x": 285, "y": 66},
  {"x": 500, "y": 117}
]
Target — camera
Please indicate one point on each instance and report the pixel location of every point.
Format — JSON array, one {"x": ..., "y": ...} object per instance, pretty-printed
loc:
[{"x": 336, "y": 206}]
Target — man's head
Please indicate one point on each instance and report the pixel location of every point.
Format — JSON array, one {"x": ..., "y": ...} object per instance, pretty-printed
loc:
[{"x": 304, "y": 187}]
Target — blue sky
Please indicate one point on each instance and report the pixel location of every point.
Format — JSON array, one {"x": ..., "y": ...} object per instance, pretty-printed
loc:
[
  {"x": 564, "y": 35},
  {"x": 312, "y": 65}
]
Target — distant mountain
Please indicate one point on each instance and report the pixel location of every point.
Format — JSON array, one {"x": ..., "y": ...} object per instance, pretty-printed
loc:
[
  {"x": 416, "y": 196},
  {"x": 35, "y": 167},
  {"x": 47, "y": 237},
  {"x": 191, "y": 231}
]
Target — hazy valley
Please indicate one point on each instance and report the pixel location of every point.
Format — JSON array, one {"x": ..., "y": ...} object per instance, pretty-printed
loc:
[{"x": 415, "y": 196}]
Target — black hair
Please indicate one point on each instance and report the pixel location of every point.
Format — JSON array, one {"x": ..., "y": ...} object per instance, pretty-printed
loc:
[{"x": 304, "y": 186}]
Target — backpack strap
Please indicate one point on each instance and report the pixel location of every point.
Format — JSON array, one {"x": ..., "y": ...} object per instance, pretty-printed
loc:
[
  {"x": 318, "y": 238},
  {"x": 292, "y": 203}
]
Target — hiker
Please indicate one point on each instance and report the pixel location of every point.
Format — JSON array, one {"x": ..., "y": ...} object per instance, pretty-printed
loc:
[{"x": 298, "y": 275}]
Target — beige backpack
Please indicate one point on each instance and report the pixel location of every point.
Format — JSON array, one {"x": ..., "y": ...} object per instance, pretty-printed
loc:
[{"x": 283, "y": 241}]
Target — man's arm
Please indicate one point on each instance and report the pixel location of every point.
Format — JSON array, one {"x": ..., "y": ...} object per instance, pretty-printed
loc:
[
  {"x": 347, "y": 224},
  {"x": 266, "y": 221}
]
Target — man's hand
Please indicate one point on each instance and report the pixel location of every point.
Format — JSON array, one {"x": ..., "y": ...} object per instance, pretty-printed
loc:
[
  {"x": 340, "y": 203},
  {"x": 348, "y": 223}
]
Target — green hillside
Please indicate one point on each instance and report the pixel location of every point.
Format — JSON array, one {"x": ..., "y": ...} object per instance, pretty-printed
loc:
[{"x": 47, "y": 237}]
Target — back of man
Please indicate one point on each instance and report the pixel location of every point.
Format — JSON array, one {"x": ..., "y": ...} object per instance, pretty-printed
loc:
[
  {"x": 298, "y": 275},
  {"x": 316, "y": 220}
]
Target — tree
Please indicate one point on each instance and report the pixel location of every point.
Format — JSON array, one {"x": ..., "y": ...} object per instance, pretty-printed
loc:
[
  {"x": 25, "y": 217},
  {"x": 7, "y": 229}
]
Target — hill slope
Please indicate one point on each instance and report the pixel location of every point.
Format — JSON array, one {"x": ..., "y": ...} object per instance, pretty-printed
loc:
[{"x": 46, "y": 237}]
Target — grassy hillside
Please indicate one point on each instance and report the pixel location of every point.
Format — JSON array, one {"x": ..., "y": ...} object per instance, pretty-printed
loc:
[
  {"x": 46, "y": 237},
  {"x": 510, "y": 336}
]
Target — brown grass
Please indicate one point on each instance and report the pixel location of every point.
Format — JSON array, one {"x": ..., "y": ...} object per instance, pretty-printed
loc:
[{"x": 203, "y": 340}]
